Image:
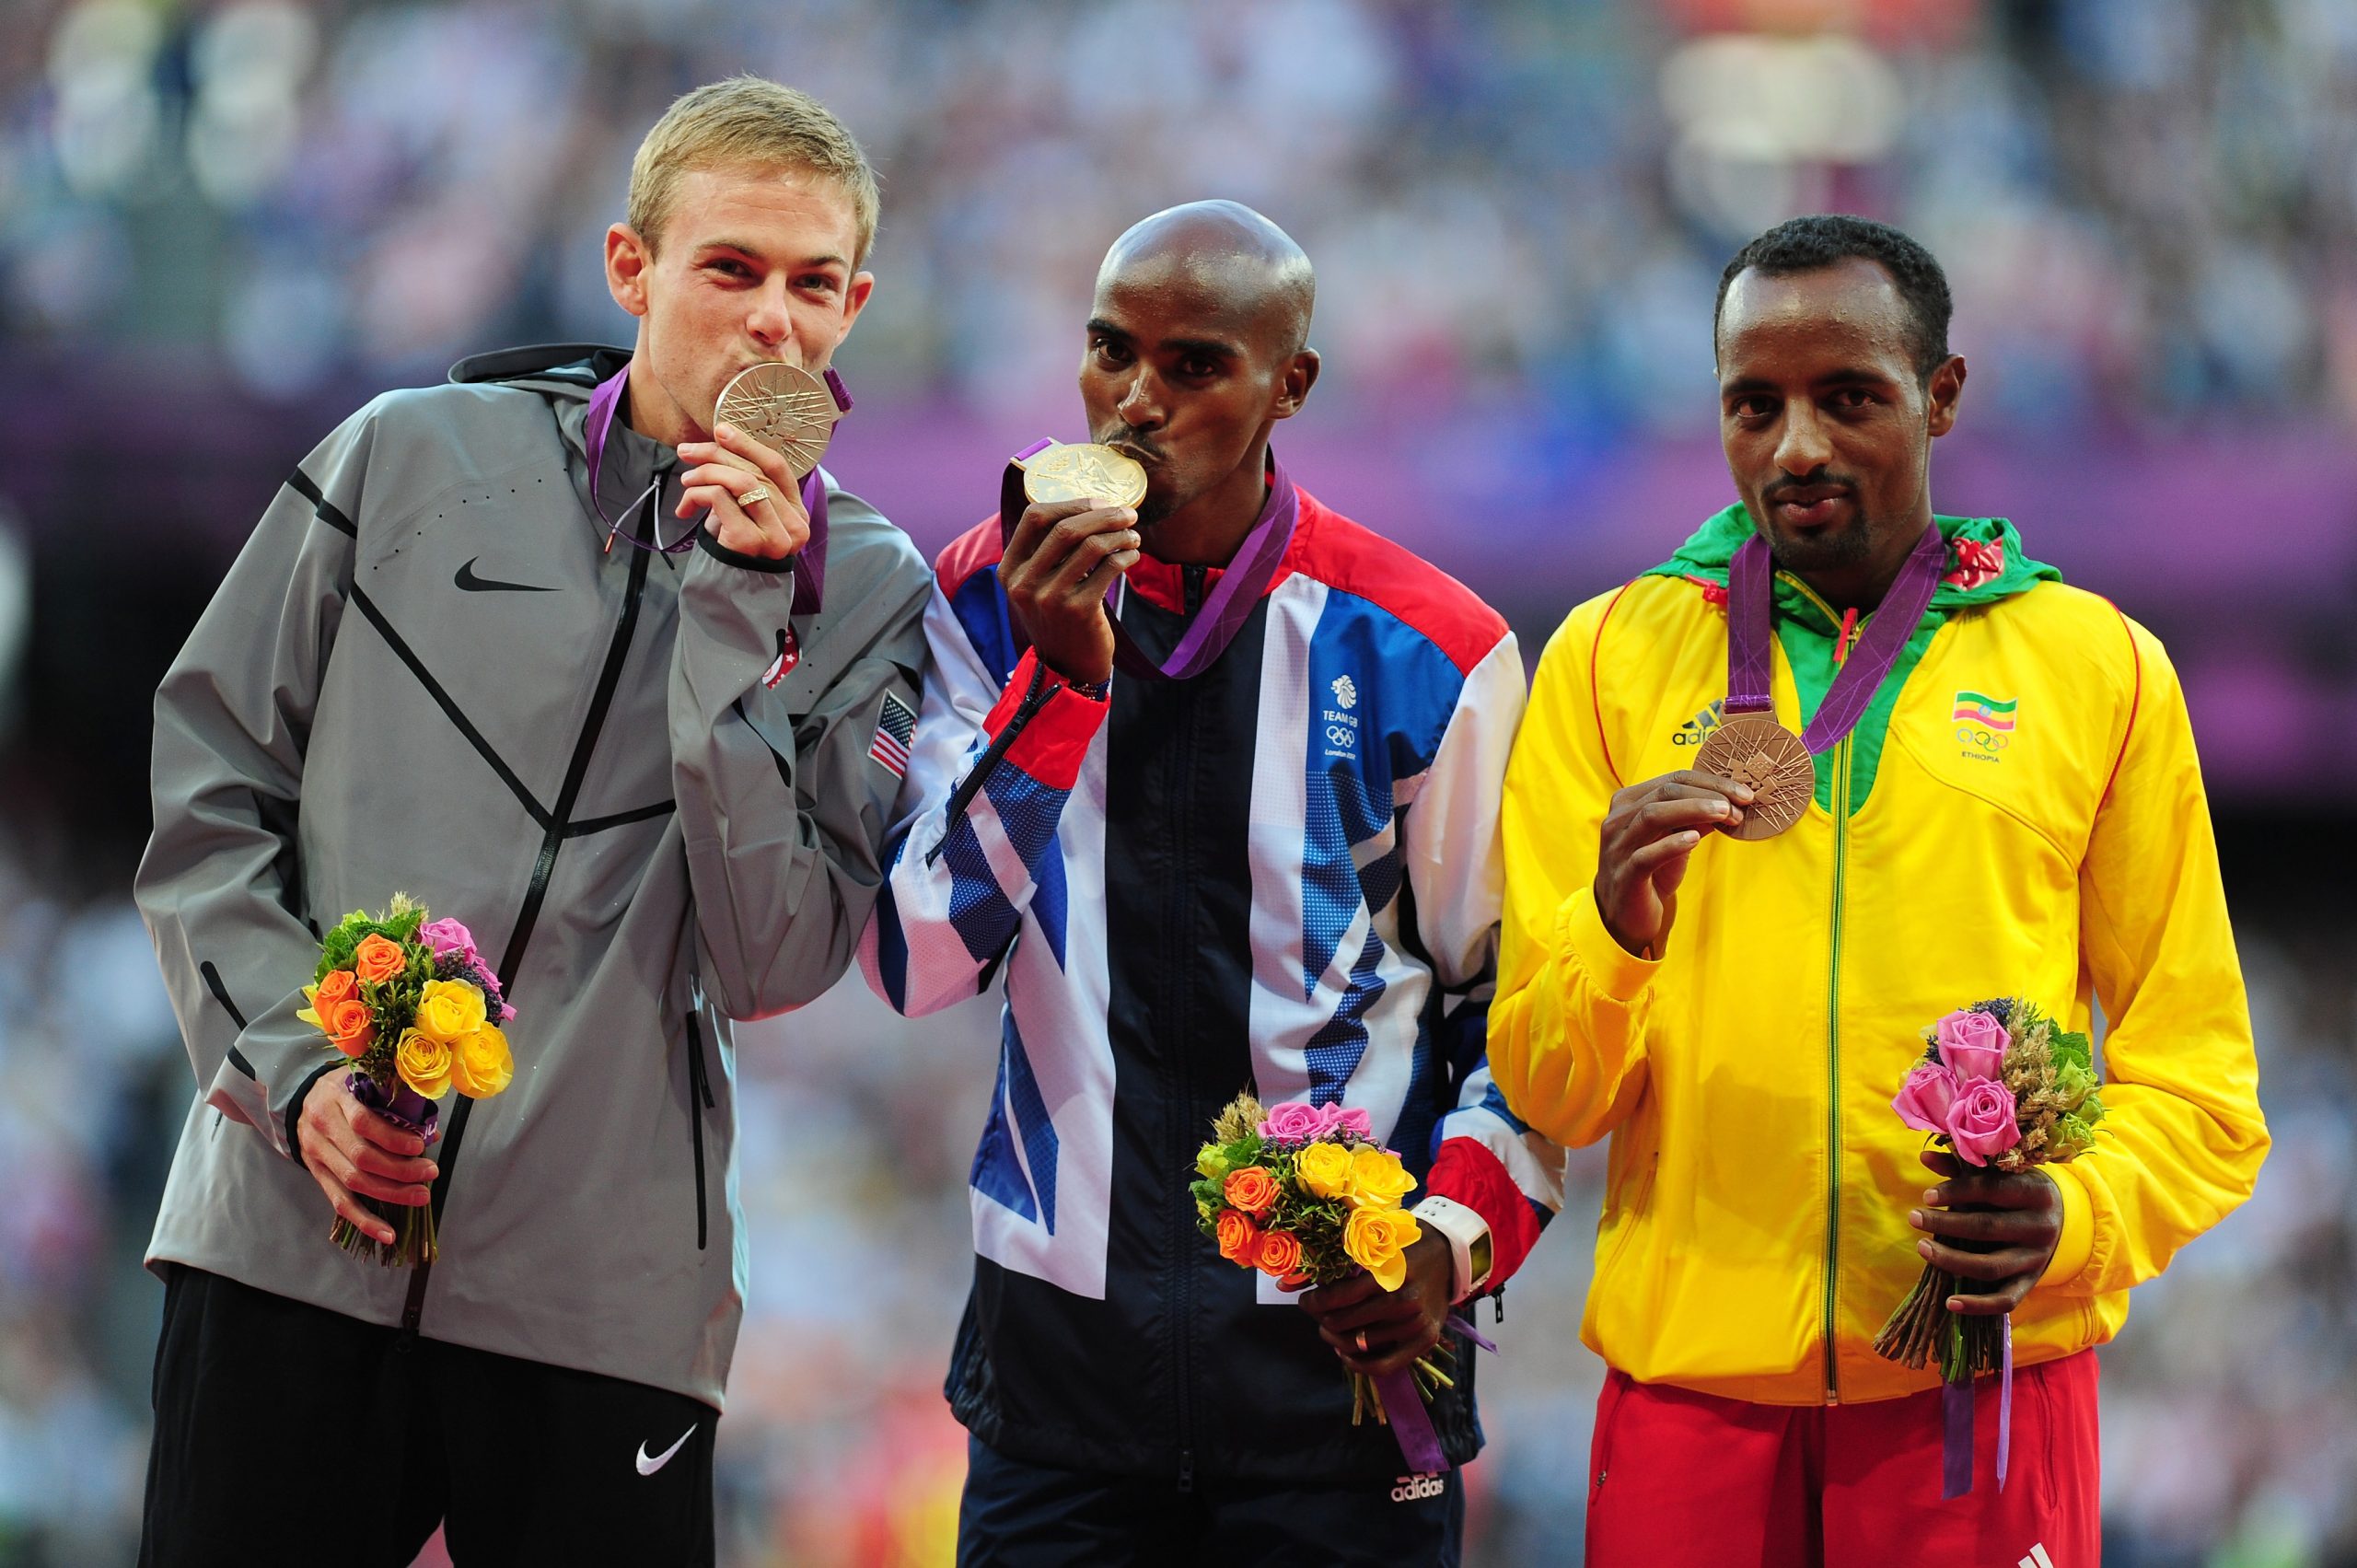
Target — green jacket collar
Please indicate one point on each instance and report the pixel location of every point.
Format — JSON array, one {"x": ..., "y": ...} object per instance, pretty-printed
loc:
[{"x": 1986, "y": 562}]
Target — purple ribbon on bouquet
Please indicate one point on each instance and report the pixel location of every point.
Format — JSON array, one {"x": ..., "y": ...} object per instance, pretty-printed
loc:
[
  {"x": 1403, "y": 1402},
  {"x": 1243, "y": 581},
  {"x": 1956, "y": 1411},
  {"x": 413, "y": 1111}
]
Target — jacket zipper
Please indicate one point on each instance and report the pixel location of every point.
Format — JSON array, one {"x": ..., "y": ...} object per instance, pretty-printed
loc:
[
  {"x": 1182, "y": 1234},
  {"x": 1035, "y": 697},
  {"x": 1848, "y": 625},
  {"x": 698, "y": 1089},
  {"x": 528, "y": 914}
]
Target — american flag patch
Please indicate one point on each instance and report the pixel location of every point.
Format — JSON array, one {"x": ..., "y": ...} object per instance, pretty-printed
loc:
[{"x": 896, "y": 731}]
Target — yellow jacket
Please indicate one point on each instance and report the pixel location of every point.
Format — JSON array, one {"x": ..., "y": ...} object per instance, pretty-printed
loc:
[{"x": 1755, "y": 1236}]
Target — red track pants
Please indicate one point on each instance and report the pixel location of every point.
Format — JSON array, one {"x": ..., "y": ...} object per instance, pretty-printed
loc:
[{"x": 1679, "y": 1479}]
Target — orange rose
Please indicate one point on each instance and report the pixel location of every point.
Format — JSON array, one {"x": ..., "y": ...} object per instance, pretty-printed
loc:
[
  {"x": 350, "y": 1027},
  {"x": 1279, "y": 1254},
  {"x": 1239, "y": 1238},
  {"x": 337, "y": 986},
  {"x": 1252, "y": 1189},
  {"x": 379, "y": 959}
]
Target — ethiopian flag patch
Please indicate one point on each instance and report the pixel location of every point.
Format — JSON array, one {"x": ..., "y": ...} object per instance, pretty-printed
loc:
[{"x": 1986, "y": 712}]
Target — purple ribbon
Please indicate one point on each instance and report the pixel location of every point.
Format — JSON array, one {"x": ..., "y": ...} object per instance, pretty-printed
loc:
[
  {"x": 413, "y": 1111},
  {"x": 1465, "y": 1327},
  {"x": 1241, "y": 584},
  {"x": 1854, "y": 689},
  {"x": 1403, "y": 1404},
  {"x": 809, "y": 562},
  {"x": 1956, "y": 1418}
]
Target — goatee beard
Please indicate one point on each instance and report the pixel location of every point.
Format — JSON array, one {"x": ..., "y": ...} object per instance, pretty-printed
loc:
[{"x": 1823, "y": 553}]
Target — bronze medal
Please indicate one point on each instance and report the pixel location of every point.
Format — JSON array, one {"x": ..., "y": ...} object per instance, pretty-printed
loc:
[
  {"x": 1082, "y": 473},
  {"x": 1754, "y": 749},
  {"x": 785, "y": 409}
]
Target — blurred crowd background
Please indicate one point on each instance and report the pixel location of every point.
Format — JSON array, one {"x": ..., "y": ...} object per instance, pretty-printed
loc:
[{"x": 224, "y": 225}]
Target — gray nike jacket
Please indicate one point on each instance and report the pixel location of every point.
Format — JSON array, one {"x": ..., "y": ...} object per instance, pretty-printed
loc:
[{"x": 651, "y": 784}]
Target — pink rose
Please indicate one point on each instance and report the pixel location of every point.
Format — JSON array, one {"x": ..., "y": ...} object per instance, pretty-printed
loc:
[
  {"x": 445, "y": 936},
  {"x": 1981, "y": 1122},
  {"x": 1294, "y": 1122},
  {"x": 1923, "y": 1101},
  {"x": 1355, "y": 1121},
  {"x": 1974, "y": 1044}
]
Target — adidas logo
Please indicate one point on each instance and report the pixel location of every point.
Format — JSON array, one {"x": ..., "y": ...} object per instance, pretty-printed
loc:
[
  {"x": 1416, "y": 1488},
  {"x": 2037, "y": 1558},
  {"x": 1696, "y": 730}
]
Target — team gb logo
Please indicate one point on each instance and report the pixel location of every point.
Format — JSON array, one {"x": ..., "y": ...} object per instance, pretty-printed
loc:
[{"x": 1346, "y": 693}]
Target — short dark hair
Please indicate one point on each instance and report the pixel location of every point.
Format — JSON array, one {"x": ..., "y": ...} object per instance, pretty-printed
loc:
[{"x": 1822, "y": 240}]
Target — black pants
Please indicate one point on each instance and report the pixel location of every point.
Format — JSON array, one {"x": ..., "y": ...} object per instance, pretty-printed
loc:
[
  {"x": 289, "y": 1435},
  {"x": 1017, "y": 1515}
]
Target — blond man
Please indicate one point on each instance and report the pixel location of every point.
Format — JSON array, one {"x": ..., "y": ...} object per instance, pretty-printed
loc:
[{"x": 547, "y": 650}]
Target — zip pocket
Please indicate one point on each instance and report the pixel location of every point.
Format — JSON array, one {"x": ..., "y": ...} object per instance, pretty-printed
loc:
[
  {"x": 699, "y": 1101},
  {"x": 1607, "y": 1417}
]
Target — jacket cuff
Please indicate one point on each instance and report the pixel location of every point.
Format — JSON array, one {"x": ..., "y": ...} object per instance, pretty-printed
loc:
[
  {"x": 1054, "y": 740},
  {"x": 291, "y": 1119},
  {"x": 1468, "y": 1171},
  {"x": 1580, "y": 932},
  {"x": 2077, "y": 1245},
  {"x": 720, "y": 552}
]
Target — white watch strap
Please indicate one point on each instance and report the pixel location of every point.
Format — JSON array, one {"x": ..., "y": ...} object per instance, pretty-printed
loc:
[{"x": 1463, "y": 1227}]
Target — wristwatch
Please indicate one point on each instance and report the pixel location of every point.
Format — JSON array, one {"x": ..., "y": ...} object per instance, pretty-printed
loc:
[{"x": 1469, "y": 1252}]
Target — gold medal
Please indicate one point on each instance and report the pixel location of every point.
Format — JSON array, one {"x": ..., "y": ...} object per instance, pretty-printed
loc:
[
  {"x": 1754, "y": 749},
  {"x": 1081, "y": 473},
  {"x": 785, "y": 409}
]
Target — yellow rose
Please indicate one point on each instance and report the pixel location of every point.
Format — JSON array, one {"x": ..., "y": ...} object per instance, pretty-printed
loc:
[
  {"x": 1212, "y": 1162},
  {"x": 423, "y": 1064},
  {"x": 1377, "y": 1179},
  {"x": 449, "y": 1010},
  {"x": 481, "y": 1063},
  {"x": 1378, "y": 1242},
  {"x": 1324, "y": 1168}
]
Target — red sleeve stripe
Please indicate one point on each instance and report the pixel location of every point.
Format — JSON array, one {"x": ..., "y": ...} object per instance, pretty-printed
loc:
[
  {"x": 1595, "y": 697},
  {"x": 1466, "y": 1170},
  {"x": 1055, "y": 742},
  {"x": 2135, "y": 705}
]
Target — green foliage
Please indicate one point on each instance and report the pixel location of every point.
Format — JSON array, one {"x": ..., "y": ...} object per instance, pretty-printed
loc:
[
  {"x": 397, "y": 923},
  {"x": 2072, "y": 1049},
  {"x": 2071, "y": 1136}
]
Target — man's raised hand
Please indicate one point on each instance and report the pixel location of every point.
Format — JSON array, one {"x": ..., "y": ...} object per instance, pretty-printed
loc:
[
  {"x": 1647, "y": 835},
  {"x": 1061, "y": 561},
  {"x": 751, "y": 501}
]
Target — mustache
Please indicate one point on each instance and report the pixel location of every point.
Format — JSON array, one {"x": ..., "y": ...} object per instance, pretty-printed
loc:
[
  {"x": 1129, "y": 446},
  {"x": 1779, "y": 489}
]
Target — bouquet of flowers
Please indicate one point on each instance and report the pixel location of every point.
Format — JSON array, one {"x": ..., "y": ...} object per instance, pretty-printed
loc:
[
  {"x": 1303, "y": 1193},
  {"x": 1999, "y": 1085},
  {"x": 416, "y": 1009}
]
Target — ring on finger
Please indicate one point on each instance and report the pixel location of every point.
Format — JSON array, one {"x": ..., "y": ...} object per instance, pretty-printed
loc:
[
  {"x": 1362, "y": 1342},
  {"x": 758, "y": 493}
]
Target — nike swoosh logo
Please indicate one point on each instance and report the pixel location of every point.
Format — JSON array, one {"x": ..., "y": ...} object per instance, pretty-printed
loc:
[
  {"x": 474, "y": 585},
  {"x": 648, "y": 1466}
]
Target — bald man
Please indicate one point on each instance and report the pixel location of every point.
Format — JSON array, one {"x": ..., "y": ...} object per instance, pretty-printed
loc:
[{"x": 1263, "y": 853}]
